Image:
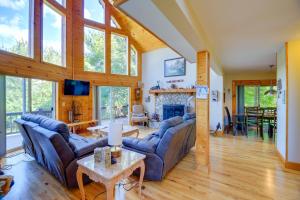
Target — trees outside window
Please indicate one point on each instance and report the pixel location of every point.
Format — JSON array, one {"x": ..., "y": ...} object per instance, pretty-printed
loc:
[
  {"x": 119, "y": 54},
  {"x": 133, "y": 62},
  {"x": 54, "y": 44},
  {"x": 16, "y": 27},
  {"x": 255, "y": 96},
  {"x": 94, "y": 50}
]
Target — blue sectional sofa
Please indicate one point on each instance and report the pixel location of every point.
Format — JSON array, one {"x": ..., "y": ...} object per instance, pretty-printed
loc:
[
  {"x": 166, "y": 147},
  {"x": 54, "y": 147}
]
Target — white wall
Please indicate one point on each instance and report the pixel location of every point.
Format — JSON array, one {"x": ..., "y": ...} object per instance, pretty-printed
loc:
[
  {"x": 216, "y": 108},
  {"x": 281, "y": 106},
  {"x": 153, "y": 71},
  {"x": 293, "y": 101},
  {"x": 229, "y": 77}
]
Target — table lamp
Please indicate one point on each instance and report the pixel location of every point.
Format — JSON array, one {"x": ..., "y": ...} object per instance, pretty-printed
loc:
[{"x": 115, "y": 138}]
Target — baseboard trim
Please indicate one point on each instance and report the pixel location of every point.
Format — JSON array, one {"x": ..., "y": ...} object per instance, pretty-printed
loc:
[
  {"x": 282, "y": 159},
  {"x": 287, "y": 164},
  {"x": 292, "y": 165}
]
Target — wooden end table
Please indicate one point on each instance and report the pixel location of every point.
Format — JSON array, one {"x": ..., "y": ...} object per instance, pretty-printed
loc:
[{"x": 126, "y": 164}]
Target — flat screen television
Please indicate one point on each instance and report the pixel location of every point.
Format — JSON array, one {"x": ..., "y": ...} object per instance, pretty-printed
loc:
[{"x": 76, "y": 88}]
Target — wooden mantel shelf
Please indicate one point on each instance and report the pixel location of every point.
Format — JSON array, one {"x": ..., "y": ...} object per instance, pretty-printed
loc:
[{"x": 162, "y": 91}]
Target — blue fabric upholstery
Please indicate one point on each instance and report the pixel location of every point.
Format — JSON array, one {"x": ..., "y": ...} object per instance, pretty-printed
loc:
[
  {"x": 27, "y": 143},
  {"x": 164, "y": 150},
  {"x": 147, "y": 144},
  {"x": 188, "y": 116},
  {"x": 166, "y": 124},
  {"x": 56, "y": 126},
  {"x": 54, "y": 148},
  {"x": 84, "y": 146},
  {"x": 33, "y": 118}
]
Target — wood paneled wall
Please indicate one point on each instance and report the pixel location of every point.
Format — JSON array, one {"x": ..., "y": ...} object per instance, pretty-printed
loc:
[
  {"x": 202, "y": 110},
  {"x": 15, "y": 65}
]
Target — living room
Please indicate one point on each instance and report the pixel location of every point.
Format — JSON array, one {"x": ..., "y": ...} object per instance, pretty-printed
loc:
[{"x": 138, "y": 99}]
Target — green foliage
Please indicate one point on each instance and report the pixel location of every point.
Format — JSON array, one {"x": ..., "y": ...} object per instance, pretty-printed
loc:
[
  {"x": 41, "y": 94},
  {"x": 20, "y": 48},
  {"x": 133, "y": 62},
  {"x": 114, "y": 100},
  {"x": 52, "y": 56},
  {"x": 119, "y": 55},
  {"x": 14, "y": 95},
  {"x": 255, "y": 96},
  {"x": 94, "y": 50}
]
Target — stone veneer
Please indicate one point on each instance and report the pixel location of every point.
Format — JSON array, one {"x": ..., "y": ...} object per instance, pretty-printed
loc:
[{"x": 175, "y": 98}]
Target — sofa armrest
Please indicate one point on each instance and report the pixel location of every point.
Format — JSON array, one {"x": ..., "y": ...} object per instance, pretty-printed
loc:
[
  {"x": 153, "y": 165},
  {"x": 140, "y": 144},
  {"x": 84, "y": 146}
]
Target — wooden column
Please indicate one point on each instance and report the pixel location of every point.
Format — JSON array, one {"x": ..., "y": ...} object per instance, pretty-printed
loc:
[{"x": 202, "y": 111}]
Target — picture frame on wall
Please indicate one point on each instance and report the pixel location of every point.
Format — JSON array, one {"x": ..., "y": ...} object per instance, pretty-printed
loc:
[{"x": 175, "y": 67}]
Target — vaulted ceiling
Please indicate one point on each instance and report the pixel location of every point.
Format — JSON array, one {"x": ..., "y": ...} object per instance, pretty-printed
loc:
[{"x": 242, "y": 34}]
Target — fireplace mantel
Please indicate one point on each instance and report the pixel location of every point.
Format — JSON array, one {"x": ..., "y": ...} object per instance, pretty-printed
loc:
[{"x": 164, "y": 91}]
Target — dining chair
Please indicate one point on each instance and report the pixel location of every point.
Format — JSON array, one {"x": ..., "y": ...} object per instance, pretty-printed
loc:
[
  {"x": 229, "y": 124},
  {"x": 254, "y": 118}
]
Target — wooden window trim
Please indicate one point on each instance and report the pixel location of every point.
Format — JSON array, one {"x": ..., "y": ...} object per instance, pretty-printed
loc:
[
  {"x": 56, "y": 6},
  {"x": 61, "y": 10}
]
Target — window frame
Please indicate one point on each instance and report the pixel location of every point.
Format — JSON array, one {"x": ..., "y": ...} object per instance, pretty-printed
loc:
[
  {"x": 61, "y": 10},
  {"x": 31, "y": 35}
]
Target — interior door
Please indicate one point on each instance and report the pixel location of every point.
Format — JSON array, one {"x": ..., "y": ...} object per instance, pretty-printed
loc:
[{"x": 2, "y": 117}]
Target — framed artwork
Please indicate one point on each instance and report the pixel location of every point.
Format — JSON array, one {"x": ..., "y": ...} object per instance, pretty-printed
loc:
[
  {"x": 201, "y": 91},
  {"x": 174, "y": 67}
]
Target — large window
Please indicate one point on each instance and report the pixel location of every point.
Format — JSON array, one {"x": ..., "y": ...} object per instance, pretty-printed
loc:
[
  {"x": 93, "y": 10},
  {"x": 94, "y": 50},
  {"x": 133, "y": 62},
  {"x": 119, "y": 54},
  {"x": 16, "y": 22},
  {"x": 54, "y": 34},
  {"x": 255, "y": 96}
]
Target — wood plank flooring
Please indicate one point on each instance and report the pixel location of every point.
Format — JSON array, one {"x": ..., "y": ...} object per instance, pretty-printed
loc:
[{"x": 240, "y": 169}]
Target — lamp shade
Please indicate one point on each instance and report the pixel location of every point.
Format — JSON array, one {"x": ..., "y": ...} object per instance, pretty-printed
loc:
[{"x": 115, "y": 134}]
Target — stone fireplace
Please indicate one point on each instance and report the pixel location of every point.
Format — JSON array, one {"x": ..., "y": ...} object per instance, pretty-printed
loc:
[{"x": 169, "y": 99}]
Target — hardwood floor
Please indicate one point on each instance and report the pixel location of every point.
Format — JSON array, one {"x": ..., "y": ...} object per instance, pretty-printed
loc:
[{"x": 240, "y": 169}]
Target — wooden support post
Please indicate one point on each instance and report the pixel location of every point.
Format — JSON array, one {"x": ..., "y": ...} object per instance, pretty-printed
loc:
[{"x": 202, "y": 111}]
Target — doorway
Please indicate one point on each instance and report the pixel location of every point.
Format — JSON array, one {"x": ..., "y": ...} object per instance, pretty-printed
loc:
[
  {"x": 24, "y": 95},
  {"x": 112, "y": 104}
]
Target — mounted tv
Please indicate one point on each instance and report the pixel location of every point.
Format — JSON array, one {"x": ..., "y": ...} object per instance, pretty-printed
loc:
[{"x": 76, "y": 88}]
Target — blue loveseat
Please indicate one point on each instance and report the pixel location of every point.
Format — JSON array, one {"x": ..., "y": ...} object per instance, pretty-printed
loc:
[
  {"x": 166, "y": 147},
  {"x": 54, "y": 148}
]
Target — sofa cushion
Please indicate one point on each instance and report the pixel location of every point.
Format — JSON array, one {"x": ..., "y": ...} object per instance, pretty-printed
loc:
[
  {"x": 148, "y": 144},
  {"x": 166, "y": 124},
  {"x": 188, "y": 116},
  {"x": 83, "y": 146},
  {"x": 33, "y": 118},
  {"x": 56, "y": 126}
]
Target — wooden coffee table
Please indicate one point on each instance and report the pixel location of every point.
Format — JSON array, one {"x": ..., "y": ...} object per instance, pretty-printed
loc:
[
  {"x": 103, "y": 130},
  {"x": 126, "y": 164}
]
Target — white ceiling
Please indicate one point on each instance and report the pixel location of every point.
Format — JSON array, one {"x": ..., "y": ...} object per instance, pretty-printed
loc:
[
  {"x": 243, "y": 34},
  {"x": 247, "y": 33}
]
